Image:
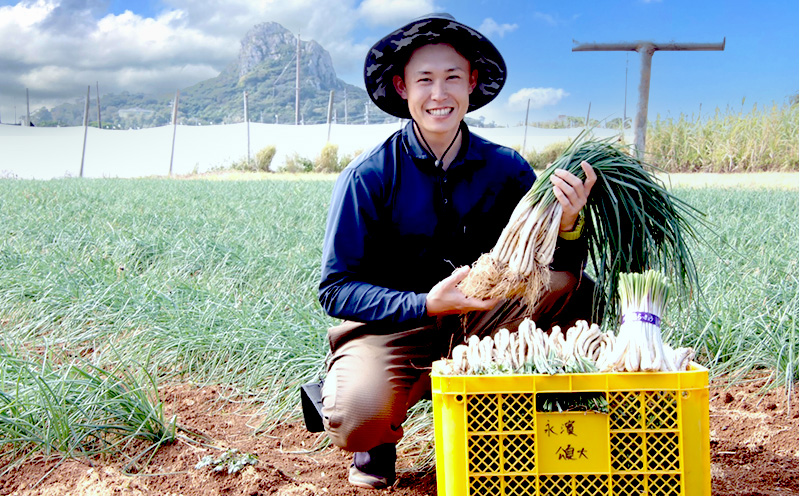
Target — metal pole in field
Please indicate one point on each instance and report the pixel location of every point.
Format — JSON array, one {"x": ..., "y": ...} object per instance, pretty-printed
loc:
[
  {"x": 28, "y": 103},
  {"x": 247, "y": 120},
  {"x": 174, "y": 127},
  {"x": 330, "y": 112},
  {"x": 345, "y": 105},
  {"x": 99, "y": 126},
  {"x": 646, "y": 49},
  {"x": 525, "y": 136},
  {"x": 85, "y": 127}
]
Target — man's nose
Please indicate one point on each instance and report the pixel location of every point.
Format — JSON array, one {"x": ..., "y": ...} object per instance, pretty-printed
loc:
[{"x": 439, "y": 90}]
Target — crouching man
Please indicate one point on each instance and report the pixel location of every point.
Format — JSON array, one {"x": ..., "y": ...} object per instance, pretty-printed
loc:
[{"x": 406, "y": 220}]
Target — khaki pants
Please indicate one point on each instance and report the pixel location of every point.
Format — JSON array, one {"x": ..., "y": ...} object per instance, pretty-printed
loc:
[{"x": 377, "y": 372}]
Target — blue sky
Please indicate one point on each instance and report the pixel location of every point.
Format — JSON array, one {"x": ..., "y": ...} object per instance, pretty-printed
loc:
[{"x": 58, "y": 47}]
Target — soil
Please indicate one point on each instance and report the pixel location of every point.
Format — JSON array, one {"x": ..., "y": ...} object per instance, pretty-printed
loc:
[{"x": 754, "y": 451}]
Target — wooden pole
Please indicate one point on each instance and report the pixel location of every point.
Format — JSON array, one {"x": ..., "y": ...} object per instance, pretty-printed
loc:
[
  {"x": 525, "y": 136},
  {"x": 297, "y": 86},
  {"x": 174, "y": 128},
  {"x": 99, "y": 125},
  {"x": 586, "y": 124},
  {"x": 85, "y": 127},
  {"x": 640, "y": 124},
  {"x": 247, "y": 120},
  {"x": 330, "y": 113}
]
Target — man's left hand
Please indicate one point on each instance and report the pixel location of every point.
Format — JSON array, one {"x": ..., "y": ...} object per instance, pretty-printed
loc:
[{"x": 572, "y": 193}]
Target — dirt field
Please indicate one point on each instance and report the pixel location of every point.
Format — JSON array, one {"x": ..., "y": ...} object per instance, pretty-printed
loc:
[{"x": 754, "y": 451}]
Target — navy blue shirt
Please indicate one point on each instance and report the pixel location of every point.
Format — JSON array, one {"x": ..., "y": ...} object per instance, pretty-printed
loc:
[{"x": 397, "y": 224}]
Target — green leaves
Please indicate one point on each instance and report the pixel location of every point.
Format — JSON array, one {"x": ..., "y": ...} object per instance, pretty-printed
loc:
[
  {"x": 232, "y": 460},
  {"x": 634, "y": 223}
]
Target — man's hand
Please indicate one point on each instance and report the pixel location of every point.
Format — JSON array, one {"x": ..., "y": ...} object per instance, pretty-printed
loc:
[
  {"x": 446, "y": 299},
  {"x": 572, "y": 193}
]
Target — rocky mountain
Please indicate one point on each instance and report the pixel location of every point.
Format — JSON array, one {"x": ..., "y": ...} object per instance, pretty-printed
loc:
[{"x": 265, "y": 68}]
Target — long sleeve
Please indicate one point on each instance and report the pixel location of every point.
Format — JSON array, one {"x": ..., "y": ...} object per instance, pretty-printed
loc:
[{"x": 344, "y": 291}]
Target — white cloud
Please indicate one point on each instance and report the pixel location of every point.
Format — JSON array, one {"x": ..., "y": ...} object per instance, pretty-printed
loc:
[
  {"x": 547, "y": 18},
  {"x": 394, "y": 12},
  {"x": 539, "y": 97},
  {"x": 58, "y": 47},
  {"x": 489, "y": 27}
]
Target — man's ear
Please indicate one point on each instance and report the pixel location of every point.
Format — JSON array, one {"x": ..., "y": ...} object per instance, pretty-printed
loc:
[
  {"x": 400, "y": 87},
  {"x": 473, "y": 80}
]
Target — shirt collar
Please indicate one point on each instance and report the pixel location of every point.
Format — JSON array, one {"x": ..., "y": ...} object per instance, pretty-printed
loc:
[{"x": 421, "y": 156}]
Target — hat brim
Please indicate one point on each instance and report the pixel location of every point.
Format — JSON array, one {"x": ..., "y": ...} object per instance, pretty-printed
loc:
[{"x": 388, "y": 57}]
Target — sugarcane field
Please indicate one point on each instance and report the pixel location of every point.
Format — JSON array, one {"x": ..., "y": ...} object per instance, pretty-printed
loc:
[{"x": 311, "y": 248}]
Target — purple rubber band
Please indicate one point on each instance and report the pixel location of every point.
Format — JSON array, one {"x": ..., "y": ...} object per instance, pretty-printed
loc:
[{"x": 645, "y": 317}]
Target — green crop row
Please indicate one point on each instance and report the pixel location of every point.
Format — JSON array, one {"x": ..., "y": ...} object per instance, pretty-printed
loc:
[{"x": 110, "y": 287}]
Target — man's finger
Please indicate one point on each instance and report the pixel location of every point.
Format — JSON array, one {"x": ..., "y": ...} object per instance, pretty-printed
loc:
[
  {"x": 591, "y": 176},
  {"x": 568, "y": 178},
  {"x": 568, "y": 193}
]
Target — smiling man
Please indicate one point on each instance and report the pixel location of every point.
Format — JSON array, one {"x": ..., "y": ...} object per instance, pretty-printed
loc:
[{"x": 406, "y": 220}]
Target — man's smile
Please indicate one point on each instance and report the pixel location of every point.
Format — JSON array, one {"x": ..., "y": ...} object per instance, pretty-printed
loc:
[{"x": 440, "y": 112}]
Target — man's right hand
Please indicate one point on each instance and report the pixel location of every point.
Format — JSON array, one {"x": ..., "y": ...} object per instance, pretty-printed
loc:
[{"x": 446, "y": 299}]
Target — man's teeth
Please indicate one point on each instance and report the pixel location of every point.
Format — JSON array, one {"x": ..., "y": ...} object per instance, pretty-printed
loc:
[{"x": 440, "y": 112}]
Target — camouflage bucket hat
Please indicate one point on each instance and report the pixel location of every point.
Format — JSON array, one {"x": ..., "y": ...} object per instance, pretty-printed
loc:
[{"x": 389, "y": 55}]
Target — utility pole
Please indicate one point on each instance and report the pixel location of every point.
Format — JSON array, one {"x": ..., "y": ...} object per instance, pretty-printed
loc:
[
  {"x": 330, "y": 115},
  {"x": 247, "y": 121},
  {"x": 297, "y": 86},
  {"x": 174, "y": 128},
  {"x": 525, "y": 136},
  {"x": 28, "y": 103},
  {"x": 99, "y": 126},
  {"x": 646, "y": 49},
  {"x": 85, "y": 127}
]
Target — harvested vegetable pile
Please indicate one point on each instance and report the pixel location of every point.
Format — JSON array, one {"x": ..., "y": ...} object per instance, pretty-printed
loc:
[
  {"x": 531, "y": 350},
  {"x": 639, "y": 346},
  {"x": 584, "y": 348},
  {"x": 632, "y": 224}
]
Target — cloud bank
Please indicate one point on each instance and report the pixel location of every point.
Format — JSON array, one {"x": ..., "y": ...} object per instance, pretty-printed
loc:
[
  {"x": 539, "y": 97},
  {"x": 56, "y": 48}
]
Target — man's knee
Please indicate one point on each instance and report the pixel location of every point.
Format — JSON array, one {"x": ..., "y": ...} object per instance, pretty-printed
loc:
[{"x": 360, "y": 410}]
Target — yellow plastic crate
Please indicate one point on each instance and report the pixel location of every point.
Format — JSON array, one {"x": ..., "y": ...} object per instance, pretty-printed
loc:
[{"x": 654, "y": 440}]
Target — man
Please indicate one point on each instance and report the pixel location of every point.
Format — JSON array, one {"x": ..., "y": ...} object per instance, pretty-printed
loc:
[{"x": 403, "y": 216}]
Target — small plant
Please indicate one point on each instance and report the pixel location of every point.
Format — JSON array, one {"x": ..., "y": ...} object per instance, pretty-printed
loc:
[
  {"x": 232, "y": 459},
  {"x": 328, "y": 160},
  {"x": 347, "y": 158},
  {"x": 295, "y": 163},
  {"x": 540, "y": 160},
  {"x": 264, "y": 158}
]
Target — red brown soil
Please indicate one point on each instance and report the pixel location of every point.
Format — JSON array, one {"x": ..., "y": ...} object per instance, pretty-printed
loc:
[{"x": 754, "y": 451}]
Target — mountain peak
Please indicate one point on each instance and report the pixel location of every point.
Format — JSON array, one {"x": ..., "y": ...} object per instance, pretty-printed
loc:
[{"x": 273, "y": 44}]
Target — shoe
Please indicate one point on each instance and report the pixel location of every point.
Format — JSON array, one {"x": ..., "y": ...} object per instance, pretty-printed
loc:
[
  {"x": 368, "y": 481},
  {"x": 374, "y": 469}
]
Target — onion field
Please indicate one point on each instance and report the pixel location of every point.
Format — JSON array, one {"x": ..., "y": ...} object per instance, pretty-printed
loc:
[{"x": 110, "y": 287}]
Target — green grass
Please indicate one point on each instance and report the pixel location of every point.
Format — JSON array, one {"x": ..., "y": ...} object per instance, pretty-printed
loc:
[{"x": 117, "y": 285}]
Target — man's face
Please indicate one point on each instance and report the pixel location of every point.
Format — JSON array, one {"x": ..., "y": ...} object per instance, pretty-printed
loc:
[{"x": 437, "y": 83}]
